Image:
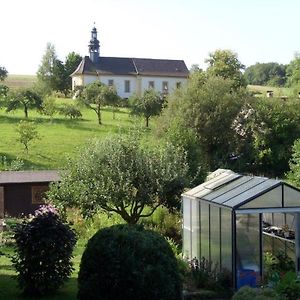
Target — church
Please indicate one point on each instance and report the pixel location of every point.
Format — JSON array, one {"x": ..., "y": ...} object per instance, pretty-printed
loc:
[{"x": 129, "y": 75}]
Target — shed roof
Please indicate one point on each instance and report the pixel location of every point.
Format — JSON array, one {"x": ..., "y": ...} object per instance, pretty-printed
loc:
[
  {"x": 9, "y": 177},
  {"x": 226, "y": 188}
]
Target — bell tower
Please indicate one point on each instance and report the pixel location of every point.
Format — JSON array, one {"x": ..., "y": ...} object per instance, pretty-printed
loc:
[{"x": 94, "y": 46}]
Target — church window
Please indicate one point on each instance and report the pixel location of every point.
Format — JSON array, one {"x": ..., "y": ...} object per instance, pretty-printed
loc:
[
  {"x": 151, "y": 85},
  {"x": 178, "y": 84},
  {"x": 165, "y": 87},
  {"x": 127, "y": 86},
  {"x": 110, "y": 82}
]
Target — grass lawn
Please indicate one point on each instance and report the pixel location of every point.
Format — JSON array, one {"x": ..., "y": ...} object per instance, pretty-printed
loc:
[
  {"x": 60, "y": 138},
  {"x": 20, "y": 81},
  {"x": 278, "y": 91}
]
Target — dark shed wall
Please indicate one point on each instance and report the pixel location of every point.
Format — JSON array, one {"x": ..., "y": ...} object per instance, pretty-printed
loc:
[{"x": 18, "y": 199}]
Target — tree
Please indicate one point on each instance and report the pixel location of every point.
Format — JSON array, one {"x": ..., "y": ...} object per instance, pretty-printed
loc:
[
  {"x": 27, "y": 133},
  {"x": 225, "y": 64},
  {"x": 148, "y": 105},
  {"x": 71, "y": 63},
  {"x": 3, "y": 73},
  {"x": 293, "y": 71},
  {"x": 45, "y": 74},
  {"x": 95, "y": 95},
  {"x": 118, "y": 175},
  {"x": 24, "y": 98},
  {"x": 49, "y": 108},
  {"x": 272, "y": 74},
  {"x": 208, "y": 107},
  {"x": 293, "y": 175}
]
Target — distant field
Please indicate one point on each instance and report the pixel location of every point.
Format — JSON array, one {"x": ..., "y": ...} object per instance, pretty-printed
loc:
[
  {"x": 60, "y": 138},
  {"x": 20, "y": 81},
  {"x": 278, "y": 91}
]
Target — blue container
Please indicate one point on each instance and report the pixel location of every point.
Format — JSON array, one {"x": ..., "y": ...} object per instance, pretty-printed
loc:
[{"x": 246, "y": 277}]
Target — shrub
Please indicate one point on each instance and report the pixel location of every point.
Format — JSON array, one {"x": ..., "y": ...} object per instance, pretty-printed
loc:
[
  {"x": 44, "y": 246},
  {"x": 289, "y": 286},
  {"x": 248, "y": 293},
  {"x": 128, "y": 262},
  {"x": 70, "y": 111}
]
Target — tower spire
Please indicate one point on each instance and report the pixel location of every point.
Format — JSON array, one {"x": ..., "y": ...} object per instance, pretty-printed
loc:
[{"x": 94, "y": 46}]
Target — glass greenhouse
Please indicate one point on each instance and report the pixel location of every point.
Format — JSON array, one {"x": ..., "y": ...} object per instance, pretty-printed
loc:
[{"x": 232, "y": 220}]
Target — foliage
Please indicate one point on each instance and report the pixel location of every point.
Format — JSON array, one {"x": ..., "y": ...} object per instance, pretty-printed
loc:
[
  {"x": 118, "y": 175},
  {"x": 3, "y": 73},
  {"x": 275, "y": 265},
  {"x": 225, "y": 64},
  {"x": 148, "y": 105},
  {"x": 272, "y": 74},
  {"x": 293, "y": 175},
  {"x": 27, "y": 132},
  {"x": 49, "y": 108},
  {"x": 289, "y": 286},
  {"x": 144, "y": 267},
  {"x": 44, "y": 246},
  {"x": 23, "y": 98},
  {"x": 70, "y": 111},
  {"x": 293, "y": 71},
  {"x": 71, "y": 63},
  {"x": 205, "y": 112},
  {"x": 275, "y": 127},
  {"x": 11, "y": 165},
  {"x": 248, "y": 293},
  {"x": 96, "y": 95},
  {"x": 207, "y": 275}
]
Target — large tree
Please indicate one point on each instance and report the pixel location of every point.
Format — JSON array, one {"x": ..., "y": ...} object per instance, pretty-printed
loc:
[
  {"x": 3, "y": 73},
  {"x": 148, "y": 105},
  {"x": 272, "y": 74},
  {"x": 96, "y": 95},
  {"x": 25, "y": 99},
  {"x": 293, "y": 71},
  {"x": 118, "y": 175},
  {"x": 225, "y": 64}
]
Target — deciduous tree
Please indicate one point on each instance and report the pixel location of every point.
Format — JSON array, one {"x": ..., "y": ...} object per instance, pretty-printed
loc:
[
  {"x": 118, "y": 175},
  {"x": 24, "y": 98},
  {"x": 148, "y": 105},
  {"x": 225, "y": 64},
  {"x": 3, "y": 73},
  {"x": 27, "y": 132}
]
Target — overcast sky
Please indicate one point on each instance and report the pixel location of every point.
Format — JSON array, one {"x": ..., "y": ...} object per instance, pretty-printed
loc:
[{"x": 257, "y": 30}]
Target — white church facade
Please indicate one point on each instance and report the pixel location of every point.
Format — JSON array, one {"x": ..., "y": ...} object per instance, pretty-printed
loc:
[{"x": 129, "y": 75}]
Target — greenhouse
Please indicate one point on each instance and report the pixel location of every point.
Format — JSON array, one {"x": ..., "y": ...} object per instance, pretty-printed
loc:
[{"x": 232, "y": 220}]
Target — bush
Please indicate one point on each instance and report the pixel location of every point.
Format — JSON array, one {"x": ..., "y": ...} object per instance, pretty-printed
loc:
[
  {"x": 44, "y": 246},
  {"x": 248, "y": 293},
  {"x": 128, "y": 262},
  {"x": 70, "y": 111}
]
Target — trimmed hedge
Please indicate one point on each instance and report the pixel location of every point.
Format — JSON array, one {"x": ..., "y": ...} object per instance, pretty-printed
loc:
[{"x": 128, "y": 262}]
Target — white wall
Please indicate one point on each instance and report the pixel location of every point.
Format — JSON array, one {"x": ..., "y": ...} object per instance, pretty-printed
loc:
[
  {"x": 138, "y": 84},
  {"x": 158, "y": 82}
]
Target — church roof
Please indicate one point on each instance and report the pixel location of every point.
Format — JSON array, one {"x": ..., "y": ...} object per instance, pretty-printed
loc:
[{"x": 132, "y": 66}]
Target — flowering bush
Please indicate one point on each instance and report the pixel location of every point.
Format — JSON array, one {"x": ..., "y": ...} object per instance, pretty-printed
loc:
[{"x": 44, "y": 246}]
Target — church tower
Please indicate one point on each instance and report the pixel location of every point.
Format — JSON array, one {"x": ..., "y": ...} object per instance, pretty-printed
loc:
[{"x": 94, "y": 46}]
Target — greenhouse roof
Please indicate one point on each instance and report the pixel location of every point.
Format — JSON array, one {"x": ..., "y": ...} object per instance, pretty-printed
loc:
[{"x": 236, "y": 191}]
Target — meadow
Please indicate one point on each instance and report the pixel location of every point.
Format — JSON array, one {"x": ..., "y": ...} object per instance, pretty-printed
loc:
[
  {"x": 20, "y": 81},
  {"x": 60, "y": 137}
]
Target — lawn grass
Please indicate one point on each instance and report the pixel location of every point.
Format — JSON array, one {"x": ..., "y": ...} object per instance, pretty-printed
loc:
[
  {"x": 60, "y": 137},
  {"x": 277, "y": 91},
  {"x": 20, "y": 81}
]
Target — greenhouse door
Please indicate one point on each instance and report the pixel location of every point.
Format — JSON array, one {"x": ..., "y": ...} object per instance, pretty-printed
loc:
[{"x": 248, "y": 249}]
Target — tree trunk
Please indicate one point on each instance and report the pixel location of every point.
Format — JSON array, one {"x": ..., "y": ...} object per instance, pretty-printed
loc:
[
  {"x": 26, "y": 111},
  {"x": 99, "y": 116},
  {"x": 147, "y": 122}
]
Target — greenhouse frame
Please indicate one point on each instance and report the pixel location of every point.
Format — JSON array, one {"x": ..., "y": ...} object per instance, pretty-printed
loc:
[{"x": 225, "y": 221}]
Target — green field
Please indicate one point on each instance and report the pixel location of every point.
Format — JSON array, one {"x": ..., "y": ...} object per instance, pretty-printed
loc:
[
  {"x": 278, "y": 91},
  {"x": 59, "y": 138},
  {"x": 20, "y": 81}
]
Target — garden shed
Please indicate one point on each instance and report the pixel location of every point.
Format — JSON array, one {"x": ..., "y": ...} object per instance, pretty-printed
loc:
[{"x": 232, "y": 220}]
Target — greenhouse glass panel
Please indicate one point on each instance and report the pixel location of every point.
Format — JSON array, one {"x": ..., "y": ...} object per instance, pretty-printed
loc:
[
  {"x": 204, "y": 224},
  {"x": 215, "y": 252},
  {"x": 248, "y": 244},
  {"x": 195, "y": 228},
  {"x": 226, "y": 239},
  {"x": 187, "y": 227},
  {"x": 291, "y": 197},
  {"x": 272, "y": 198}
]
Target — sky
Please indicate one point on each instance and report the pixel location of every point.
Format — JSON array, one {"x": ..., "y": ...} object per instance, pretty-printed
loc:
[{"x": 257, "y": 30}]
